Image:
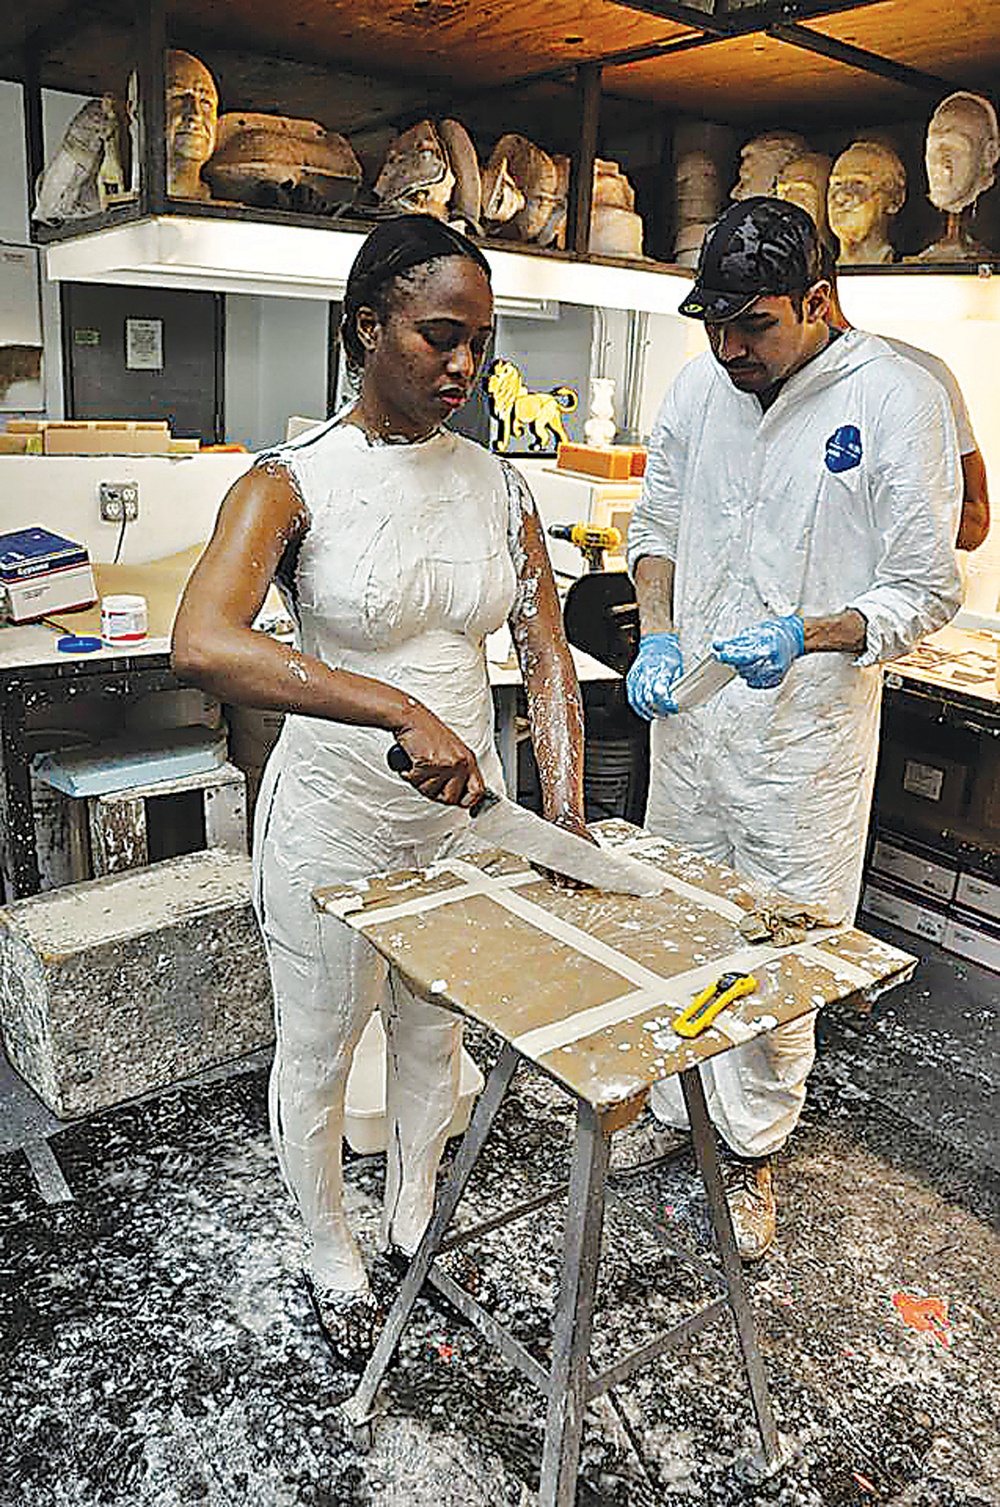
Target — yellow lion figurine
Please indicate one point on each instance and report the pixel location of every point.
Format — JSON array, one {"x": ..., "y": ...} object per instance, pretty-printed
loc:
[{"x": 515, "y": 408}]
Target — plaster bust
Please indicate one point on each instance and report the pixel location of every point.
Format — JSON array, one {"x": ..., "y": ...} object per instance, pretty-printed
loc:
[
  {"x": 804, "y": 181},
  {"x": 192, "y": 104},
  {"x": 962, "y": 148},
  {"x": 762, "y": 159},
  {"x": 867, "y": 187}
]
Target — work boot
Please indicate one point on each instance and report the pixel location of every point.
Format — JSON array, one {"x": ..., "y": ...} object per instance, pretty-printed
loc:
[
  {"x": 750, "y": 1195},
  {"x": 644, "y": 1142}
]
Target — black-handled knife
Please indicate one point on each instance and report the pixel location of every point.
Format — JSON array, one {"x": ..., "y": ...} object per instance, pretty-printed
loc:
[{"x": 400, "y": 762}]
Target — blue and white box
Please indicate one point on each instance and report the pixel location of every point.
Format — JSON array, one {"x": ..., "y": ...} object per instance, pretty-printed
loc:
[{"x": 42, "y": 573}]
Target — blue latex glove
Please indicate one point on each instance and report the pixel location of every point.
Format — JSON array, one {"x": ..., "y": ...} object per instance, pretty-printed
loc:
[
  {"x": 655, "y": 668},
  {"x": 762, "y": 655}
]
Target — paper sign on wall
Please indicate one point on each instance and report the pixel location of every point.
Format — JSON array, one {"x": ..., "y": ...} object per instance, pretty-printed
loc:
[{"x": 144, "y": 345}]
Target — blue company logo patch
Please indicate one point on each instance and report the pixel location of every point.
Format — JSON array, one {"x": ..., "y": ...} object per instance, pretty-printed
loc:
[{"x": 843, "y": 448}]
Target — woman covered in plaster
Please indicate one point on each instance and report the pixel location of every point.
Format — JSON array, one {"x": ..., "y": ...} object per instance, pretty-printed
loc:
[{"x": 399, "y": 545}]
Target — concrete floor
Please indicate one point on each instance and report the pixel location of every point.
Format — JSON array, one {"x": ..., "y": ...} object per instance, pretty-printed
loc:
[{"x": 158, "y": 1346}]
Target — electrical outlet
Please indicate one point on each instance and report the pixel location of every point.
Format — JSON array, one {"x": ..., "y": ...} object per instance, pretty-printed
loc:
[{"x": 119, "y": 500}]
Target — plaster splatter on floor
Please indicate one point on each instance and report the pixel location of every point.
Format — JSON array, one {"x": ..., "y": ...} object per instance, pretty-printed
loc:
[{"x": 160, "y": 1349}]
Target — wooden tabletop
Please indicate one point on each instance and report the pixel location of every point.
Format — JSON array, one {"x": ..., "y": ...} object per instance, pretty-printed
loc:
[
  {"x": 586, "y": 984},
  {"x": 957, "y": 661}
]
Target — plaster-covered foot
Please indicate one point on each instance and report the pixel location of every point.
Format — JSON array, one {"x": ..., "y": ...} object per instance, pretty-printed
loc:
[
  {"x": 750, "y": 1195},
  {"x": 644, "y": 1140},
  {"x": 349, "y": 1321}
]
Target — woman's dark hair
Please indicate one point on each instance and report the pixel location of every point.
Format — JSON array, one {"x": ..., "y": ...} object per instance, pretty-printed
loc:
[{"x": 393, "y": 249}]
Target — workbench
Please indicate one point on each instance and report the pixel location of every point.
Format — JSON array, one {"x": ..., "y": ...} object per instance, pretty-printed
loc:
[
  {"x": 35, "y": 675},
  {"x": 933, "y": 864},
  {"x": 585, "y": 986}
]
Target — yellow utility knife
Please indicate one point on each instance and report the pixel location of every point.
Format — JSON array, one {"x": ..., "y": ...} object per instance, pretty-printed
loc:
[{"x": 705, "y": 1006}]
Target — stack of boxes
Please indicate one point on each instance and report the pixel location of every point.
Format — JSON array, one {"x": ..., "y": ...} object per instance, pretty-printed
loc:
[{"x": 93, "y": 437}]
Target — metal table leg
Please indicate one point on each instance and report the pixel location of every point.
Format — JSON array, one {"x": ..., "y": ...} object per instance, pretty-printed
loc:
[
  {"x": 358, "y": 1407},
  {"x": 703, "y": 1137},
  {"x": 574, "y": 1312},
  {"x": 20, "y": 861}
]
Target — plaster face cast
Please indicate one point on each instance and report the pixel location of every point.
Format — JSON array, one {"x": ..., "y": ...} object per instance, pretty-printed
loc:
[
  {"x": 192, "y": 104},
  {"x": 867, "y": 187},
  {"x": 961, "y": 151},
  {"x": 762, "y": 159},
  {"x": 804, "y": 182}
]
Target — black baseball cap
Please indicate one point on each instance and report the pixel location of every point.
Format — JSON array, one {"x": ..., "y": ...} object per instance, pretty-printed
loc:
[{"x": 759, "y": 246}]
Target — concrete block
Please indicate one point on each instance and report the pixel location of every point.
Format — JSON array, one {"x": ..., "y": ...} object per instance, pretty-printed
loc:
[{"x": 123, "y": 984}]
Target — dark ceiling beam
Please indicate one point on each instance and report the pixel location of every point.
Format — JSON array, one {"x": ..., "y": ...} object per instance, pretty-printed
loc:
[
  {"x": 856, "y": 57},
  {"x": 718, "y": 21}
]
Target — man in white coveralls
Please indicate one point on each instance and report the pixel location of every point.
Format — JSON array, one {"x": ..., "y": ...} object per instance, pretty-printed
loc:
[{"x": 797, "y": 521}]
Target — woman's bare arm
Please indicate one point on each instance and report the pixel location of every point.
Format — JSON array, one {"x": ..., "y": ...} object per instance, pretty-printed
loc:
[{"x": 215, "y": 645}]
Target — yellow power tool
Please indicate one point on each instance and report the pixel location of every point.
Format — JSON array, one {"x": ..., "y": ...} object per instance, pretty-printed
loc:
[{"x": 590, "y": 539}]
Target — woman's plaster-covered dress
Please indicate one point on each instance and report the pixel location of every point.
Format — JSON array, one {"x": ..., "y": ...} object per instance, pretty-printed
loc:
[{"x": 407, "y": 563}]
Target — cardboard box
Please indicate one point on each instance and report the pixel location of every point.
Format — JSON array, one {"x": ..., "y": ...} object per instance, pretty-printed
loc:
[
  {"x": 610, "y": 462},
  {"x": 107, "y": 437}
]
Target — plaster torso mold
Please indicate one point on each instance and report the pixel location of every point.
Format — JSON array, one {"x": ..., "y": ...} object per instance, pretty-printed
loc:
[
  {"x": 87, "y": 167},
  {"x": 406, "y": 566}
]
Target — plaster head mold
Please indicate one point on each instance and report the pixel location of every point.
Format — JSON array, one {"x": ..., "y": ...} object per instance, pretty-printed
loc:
[
  {"x": 761, "y": 160},
  {"x": 279, "y": 162},
  {"x": 433, "y": 169},
  {"x": 961, "y": 152},
  {"x": 86, "y": 171},
  {"x": 804, "y": 181},
  {"x": 192, "y": 105},
  {"x": 867, "y": 188},
  {"x": 525, "y": 190}
]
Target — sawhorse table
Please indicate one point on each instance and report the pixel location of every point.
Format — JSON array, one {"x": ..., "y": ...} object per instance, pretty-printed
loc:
[{"x": 584, "y": 985}]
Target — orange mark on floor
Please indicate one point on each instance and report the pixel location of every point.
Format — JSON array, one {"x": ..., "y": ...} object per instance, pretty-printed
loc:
[{"x": 927, "y": 1315}]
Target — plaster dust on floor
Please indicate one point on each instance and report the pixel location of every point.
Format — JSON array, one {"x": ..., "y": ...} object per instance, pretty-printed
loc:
[{"x": 159, "y": 1348}]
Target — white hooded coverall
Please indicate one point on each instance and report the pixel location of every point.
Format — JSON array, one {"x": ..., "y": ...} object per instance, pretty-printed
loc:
[
  {"x": 408, "y": 562},
  {"x": 844, "y": 493}
]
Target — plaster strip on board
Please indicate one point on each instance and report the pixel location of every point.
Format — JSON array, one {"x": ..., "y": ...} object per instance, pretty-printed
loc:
[
  {"x": 563, "y": 1033},
  {"x": 351, "y": 907}
]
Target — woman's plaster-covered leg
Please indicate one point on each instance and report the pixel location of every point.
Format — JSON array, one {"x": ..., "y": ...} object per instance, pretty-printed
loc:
[
  {"x": 423, "y": 1062},
  {"x": 323, "y": 999}
]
